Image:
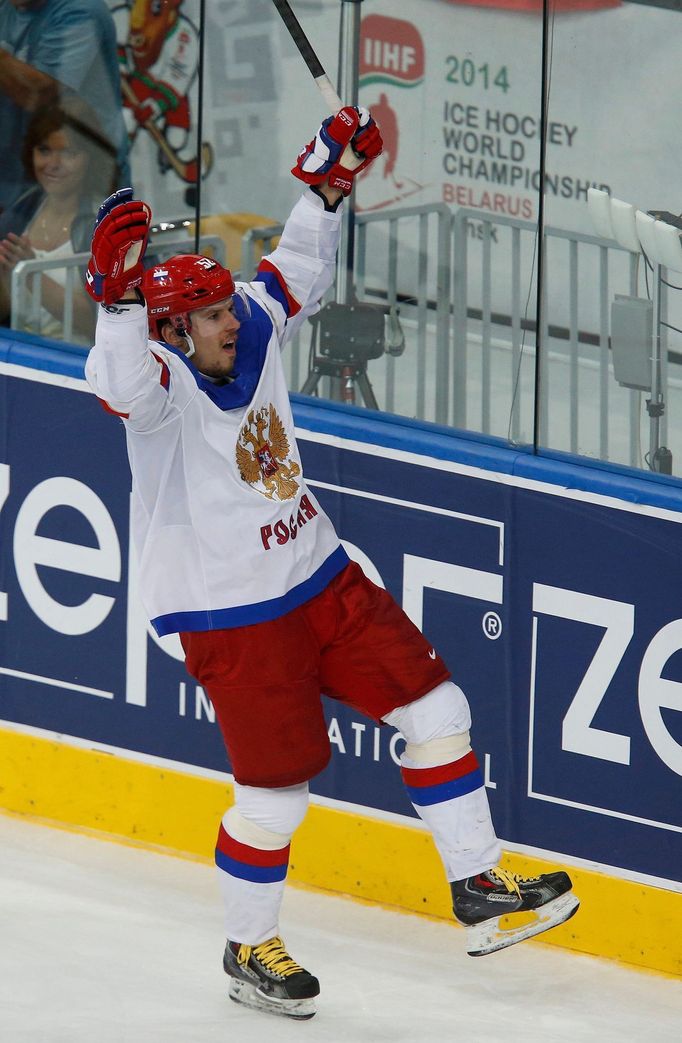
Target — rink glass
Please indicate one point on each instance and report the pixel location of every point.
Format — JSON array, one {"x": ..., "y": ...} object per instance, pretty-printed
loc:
[{"x": 497, "y": 119}]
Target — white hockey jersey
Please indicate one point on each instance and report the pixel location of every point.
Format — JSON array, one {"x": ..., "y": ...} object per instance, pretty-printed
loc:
[{"x": 224, "y": 527}]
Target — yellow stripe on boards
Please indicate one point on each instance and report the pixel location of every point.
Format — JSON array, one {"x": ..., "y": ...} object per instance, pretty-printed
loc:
[
  {"x": 333, "y": 850},
  {"x": 110, "y": 794}
]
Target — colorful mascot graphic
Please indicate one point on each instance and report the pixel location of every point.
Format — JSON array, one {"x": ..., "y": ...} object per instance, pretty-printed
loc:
[{"x": 158, "y": 56}]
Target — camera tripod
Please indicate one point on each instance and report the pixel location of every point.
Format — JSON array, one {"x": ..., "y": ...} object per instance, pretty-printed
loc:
[
  {"x": 344, "y": 377},
  {"x": 349, "y": 336}
]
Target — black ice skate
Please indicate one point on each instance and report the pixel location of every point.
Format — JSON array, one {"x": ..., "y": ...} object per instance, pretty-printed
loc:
[
  {"x": 499, "y": 908},
  {"x": 266, "y": 978}
]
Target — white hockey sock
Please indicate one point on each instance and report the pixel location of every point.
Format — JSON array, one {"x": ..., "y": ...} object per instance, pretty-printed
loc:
[
  {"x": 252, "y": 884},
  {"x": 444, "y": 781},
  {"x": 451, "y": 799},
  {"x": 252, "y": 860}
]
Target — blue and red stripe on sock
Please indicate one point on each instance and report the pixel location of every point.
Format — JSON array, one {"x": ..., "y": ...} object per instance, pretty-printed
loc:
[
  {"x": 250, "y": 863},
  {"x": 427, "y": 786}
]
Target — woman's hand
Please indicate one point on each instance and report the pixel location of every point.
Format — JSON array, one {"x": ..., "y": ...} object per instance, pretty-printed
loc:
[{"x": 13, "y": 249}]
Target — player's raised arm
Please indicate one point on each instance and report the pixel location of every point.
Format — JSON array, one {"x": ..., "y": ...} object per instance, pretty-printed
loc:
[
  {"x": 129, "y": 378},
  {"x": 301, "y": 268}
]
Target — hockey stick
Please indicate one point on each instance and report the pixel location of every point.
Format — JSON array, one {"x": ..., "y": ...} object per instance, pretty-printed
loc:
[
  {"x": 324, "y": 84},
  {"x": 350, "y": 158}
]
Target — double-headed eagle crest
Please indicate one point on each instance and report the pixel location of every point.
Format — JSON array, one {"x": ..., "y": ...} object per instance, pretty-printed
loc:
[{"x": 262, "y": 451}]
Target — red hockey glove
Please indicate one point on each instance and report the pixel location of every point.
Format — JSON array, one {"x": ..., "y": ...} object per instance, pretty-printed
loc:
[
  {"x": 343, "y": 146},
  {"x": 118, "y": 245},
  {"x": 367, "y": 142}
]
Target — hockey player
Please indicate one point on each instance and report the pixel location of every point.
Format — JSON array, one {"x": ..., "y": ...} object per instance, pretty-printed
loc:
[{"x": 237, "y": 555}]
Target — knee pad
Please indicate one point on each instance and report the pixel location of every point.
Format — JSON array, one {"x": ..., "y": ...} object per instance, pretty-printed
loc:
[
  {"x": 266, "y": 818},
  {"x": 436, "y": 726},
  {"x": 437, "y": 751}
]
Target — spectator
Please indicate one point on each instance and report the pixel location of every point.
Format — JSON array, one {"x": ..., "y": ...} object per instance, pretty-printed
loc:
[
  {"x": 69, "y": 171},
  {"x": 50, "y": 50}
]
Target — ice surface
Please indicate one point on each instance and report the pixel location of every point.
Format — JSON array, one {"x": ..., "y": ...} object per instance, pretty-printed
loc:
[{"x": 105, "y": 943}]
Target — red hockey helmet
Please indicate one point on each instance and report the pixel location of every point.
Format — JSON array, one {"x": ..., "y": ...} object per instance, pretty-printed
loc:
[{"x": 185, "y": 283}]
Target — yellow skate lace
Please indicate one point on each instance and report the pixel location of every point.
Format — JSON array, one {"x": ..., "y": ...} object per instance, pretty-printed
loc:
[
  {"x": 272, "y": 955},
  {"x": 510, "y": 880}
]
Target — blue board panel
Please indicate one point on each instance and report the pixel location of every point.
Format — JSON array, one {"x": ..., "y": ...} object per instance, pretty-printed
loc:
[{"x": 557, "y": 614}]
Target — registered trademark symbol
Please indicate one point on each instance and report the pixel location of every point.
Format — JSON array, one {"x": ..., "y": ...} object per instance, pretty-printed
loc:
[{"x": 492, "y": 625}]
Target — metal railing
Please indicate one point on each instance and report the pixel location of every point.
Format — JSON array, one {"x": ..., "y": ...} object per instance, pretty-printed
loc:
[
  {"x": 26, "y": 282},
  {"x": 26, "y": 302},
  {"x": 426, "y": 309},
  {"x": 466, "y": 308},
  {"x": 579, "y": 268},
  {"x": 384, "y": 269}
]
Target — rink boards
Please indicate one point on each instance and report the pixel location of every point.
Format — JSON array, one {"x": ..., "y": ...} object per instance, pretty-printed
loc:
[{"x": 551, "y": 589}]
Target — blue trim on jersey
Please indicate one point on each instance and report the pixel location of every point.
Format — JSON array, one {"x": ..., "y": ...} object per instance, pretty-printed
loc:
[
  {"x": 252, "y": 346},
  {"x": 261, "y": 611},
  {"x": 256, "y": 874},
  {"x": 274, "y": 287},
  {"x": 424, "y": 796}
]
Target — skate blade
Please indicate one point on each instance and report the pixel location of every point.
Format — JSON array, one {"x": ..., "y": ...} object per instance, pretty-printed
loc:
[
  {"x": 249, "y": 996},
  {"x": 503, "y": 931}
]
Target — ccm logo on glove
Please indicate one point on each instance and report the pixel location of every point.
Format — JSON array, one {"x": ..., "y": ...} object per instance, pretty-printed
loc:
[{"x": 344, "y": 145}]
